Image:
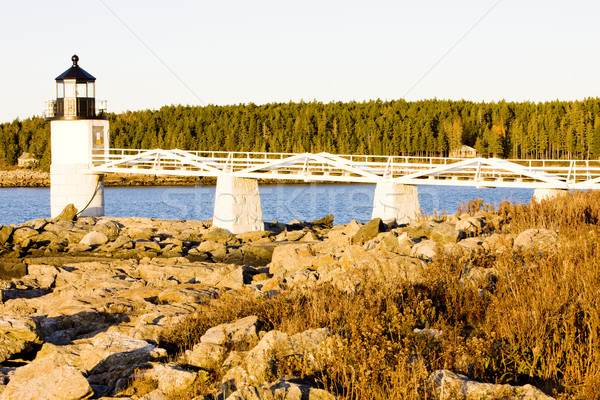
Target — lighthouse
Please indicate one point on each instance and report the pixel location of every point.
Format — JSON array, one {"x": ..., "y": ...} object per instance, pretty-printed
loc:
[{"x": 78, "y": 132}]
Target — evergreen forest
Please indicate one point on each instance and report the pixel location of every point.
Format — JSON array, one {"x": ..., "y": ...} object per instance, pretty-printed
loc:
[{"x": 550, "y": 130}]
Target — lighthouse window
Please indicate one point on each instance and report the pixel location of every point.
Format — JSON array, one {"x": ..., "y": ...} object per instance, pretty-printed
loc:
[
  {"x": 60, "y": 90},
  {"x": 90, "y": 87},
  {"x": 82, "y": 90},
  {"x": 69, "y": 89}
]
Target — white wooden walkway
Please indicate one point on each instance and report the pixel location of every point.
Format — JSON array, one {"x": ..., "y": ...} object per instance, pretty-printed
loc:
[{"x": 478, "y": 172}]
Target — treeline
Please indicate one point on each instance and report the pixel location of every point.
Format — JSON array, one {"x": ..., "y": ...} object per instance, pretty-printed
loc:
[{"x": 557, "y": 129}]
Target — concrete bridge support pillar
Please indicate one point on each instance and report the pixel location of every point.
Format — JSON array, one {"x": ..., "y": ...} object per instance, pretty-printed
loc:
[
  {"x": 237, "y": 205},
  {"x": 395, "y": 200},
  {"x": 543, "y": 194}
]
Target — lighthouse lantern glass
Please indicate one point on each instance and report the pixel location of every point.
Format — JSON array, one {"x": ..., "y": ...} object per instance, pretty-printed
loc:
[
  {"x": 69, "y": 88},
  {"x": 90, "y": 89},
  {"x": 82, "y": 89},
  {"x": 60, "y": 90}
]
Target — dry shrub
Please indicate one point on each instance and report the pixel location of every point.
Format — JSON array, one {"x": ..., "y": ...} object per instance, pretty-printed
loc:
[
  {"x": 565, "y": 213},
  {"x": 533, "y": 318},
  {"x": 545, "y": 315},
  {"x": 140, "y": 385}
]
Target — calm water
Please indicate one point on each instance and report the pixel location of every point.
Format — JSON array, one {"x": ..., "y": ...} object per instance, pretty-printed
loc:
[{"x": 279, "y": 202}]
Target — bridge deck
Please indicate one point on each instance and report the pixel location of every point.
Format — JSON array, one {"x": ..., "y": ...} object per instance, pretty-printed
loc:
[{"x": 480, "y": 172}]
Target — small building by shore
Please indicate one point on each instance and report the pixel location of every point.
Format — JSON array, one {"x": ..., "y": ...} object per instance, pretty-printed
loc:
[
  {"x": 464, "y": 152},
  {"x": 26, "y": 160}
]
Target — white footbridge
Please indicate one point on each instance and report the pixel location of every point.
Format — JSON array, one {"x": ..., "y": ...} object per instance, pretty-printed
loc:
[
  {"x": 237, "y": 201},
  {"x": 81, "y": 156}
]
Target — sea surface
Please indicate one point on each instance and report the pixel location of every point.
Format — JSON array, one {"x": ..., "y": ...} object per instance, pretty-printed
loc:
[{"x": 283, "y": 203}]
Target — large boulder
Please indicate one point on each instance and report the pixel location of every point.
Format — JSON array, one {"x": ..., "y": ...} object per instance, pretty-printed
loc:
[
  {"x": 110, "y": 228},
  {"x": 420, "y": 230},
  {"x": 446, "y": 233},
  {"x": 263, "y": 361},
  {"x": 326, "y": 221},
  {"x": 294, "y": 257},
  {"x": 22, "y": 233},
  {"x": 536, "y": 239},
  {"x": 208, "y": 356},
  {"x": 357, "y": 265},
  {"x": 10, "y": 269},
  {"x": 368, "y": 231},
  {"x": 258, "y": 254},
  {"x": 170, "y": 378},
  {"x": 47, "y": 378},
  {"x": 425, "y": 249},
  {"x": 94, "y": 238},
  {"x": 243, "y": 330},
  {"x": 217, "y": 250},
  {"x": 471, "y": 226},
  {"x": 69, "y": 213},
  {"x": 448, "y": 385},
  {"x": 5, "y": 234},
  {"x": 219, "y": 235},
  {"x": 17, "y": 334}
]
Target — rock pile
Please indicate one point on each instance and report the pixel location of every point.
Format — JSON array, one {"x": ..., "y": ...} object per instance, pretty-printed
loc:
[{"x": 84, "y": 301}]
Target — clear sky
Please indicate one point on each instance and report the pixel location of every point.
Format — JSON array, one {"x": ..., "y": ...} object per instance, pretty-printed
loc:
[{"x": 146, "y": 54}]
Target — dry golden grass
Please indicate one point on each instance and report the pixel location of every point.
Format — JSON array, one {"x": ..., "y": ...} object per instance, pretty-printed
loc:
[{"x": 537, "y": 321}]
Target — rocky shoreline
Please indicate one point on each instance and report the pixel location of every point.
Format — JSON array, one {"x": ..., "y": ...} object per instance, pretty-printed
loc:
[
  {"x": 85, "y": 302},
  {"x": 33, "y": 178}
]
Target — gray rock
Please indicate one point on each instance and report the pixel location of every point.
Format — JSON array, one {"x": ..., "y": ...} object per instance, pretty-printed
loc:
[
  {"x": 48, "y": 378},
  {"x": 471, "y": 226},
  {"x": 430, "y": 333},
  {"x": 386, "y": 241},
  {"x": 219, "y": 235},
  {"x": 94, "y": 238},
  {"x": 253, "y": 236},
  {"x": 449, "y": 385},
  {"x": 425, "y": 249},
  {"x": 5, "y": 234},
  {"x": 420, "y": 230},
  {"x": 357, "y": 265},
  {"x": 21, "y": 234},
  {"x": 257, "y": 254},
  {"x": 536, "y": 239},
  {"x": 405, "y": 244},
  {"x": 446, "y": 233},
  {"x": 217, "y": 250},
  {"x": 326, "y": 221},
  {"x": 156, "y": 394},
  {"x": 10, "y": 269},
  {"x": 242, "y": 330},
  {"x": 170, "y": 378},
  {"x": 368, "y": 231},
  {"x": 110, "y": 228},
  {"x": 283, "y": 389},
  {"x": 296, "y": 256},
  {"x": 262, "y": 362},
  {"x": 17, "y": 334},
  {"x": 69, "y": 213},
  {"x": 208, "y": 356}
]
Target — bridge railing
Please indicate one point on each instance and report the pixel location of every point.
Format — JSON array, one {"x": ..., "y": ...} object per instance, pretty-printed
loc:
[{"x": 351, "y": 168}]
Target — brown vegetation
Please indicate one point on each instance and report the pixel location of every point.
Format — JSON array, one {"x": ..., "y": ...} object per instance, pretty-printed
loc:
[{"x": 536, "y": 321}]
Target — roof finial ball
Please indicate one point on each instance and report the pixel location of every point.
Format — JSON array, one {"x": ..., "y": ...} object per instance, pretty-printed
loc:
[{"x": 75, "y": 59}]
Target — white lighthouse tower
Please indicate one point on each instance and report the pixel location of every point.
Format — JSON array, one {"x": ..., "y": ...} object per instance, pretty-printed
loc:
[{"x": 77, "y": 132}]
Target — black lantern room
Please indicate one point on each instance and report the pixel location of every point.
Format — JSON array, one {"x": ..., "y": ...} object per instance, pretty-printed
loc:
[{"x": 75, "y": 95}]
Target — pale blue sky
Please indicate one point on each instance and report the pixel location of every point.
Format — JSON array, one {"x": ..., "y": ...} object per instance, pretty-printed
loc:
[{"x": 231, "y": 52}]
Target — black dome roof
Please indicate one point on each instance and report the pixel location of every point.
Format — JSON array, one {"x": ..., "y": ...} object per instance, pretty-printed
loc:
[{"x": 75, "y": 72}]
